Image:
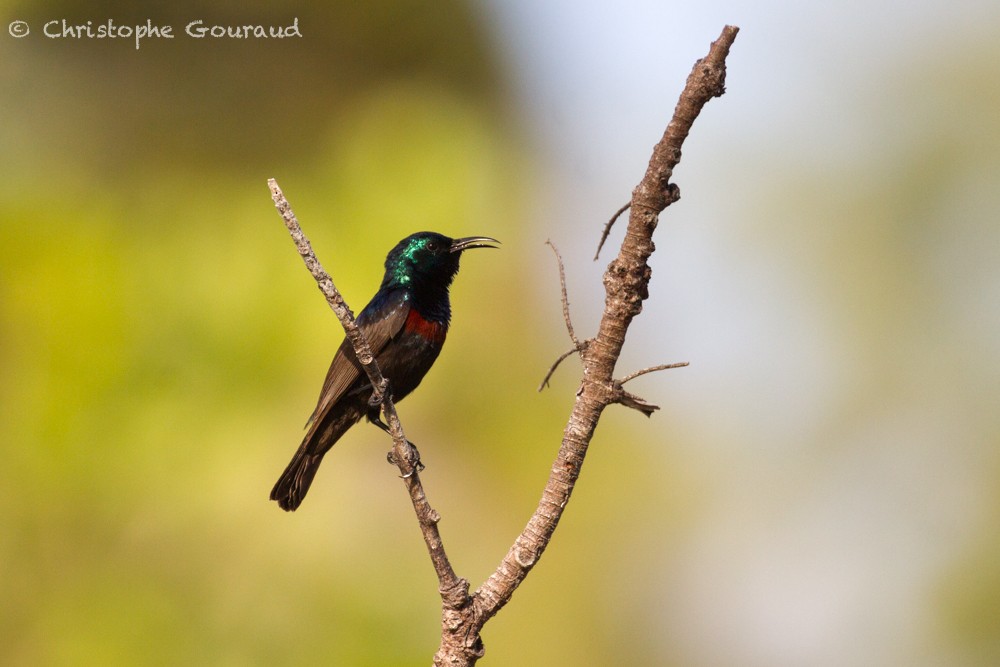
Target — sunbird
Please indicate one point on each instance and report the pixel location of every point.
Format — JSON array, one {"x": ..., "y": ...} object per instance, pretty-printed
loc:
[{"x": 405, "y": 323}]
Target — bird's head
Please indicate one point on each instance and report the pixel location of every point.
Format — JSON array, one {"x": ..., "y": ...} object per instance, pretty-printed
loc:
[{"x": 429, "y": 259}]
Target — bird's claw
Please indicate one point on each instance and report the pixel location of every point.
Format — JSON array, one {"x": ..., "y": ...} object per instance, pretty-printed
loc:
[
  {"x": 378, "y": 394},
  {"x": 418, "y": 467},
  {"x": 416, "y": 464}
]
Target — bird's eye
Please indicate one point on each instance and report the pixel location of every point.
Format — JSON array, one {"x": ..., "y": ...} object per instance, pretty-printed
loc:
[{"x": 432, "y": 246}]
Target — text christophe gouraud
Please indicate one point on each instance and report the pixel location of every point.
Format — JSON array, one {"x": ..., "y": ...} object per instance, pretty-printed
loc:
[{"x": 197, "y": 29}]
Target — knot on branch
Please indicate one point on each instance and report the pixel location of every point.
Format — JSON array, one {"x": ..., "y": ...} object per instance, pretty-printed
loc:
[
  {"x": 456, "y": 596},
  {"x": 630, "y": 400},
  {"x": 671, "y": 194},
  {"x": 619, "y": 395},
  {"x": 431, "y": 517},
  {"x": 713, "y": 78},
  {"x": 627, "y": 284},
  {"x": 524, "y": 557},
  {"x": 667, "y": 192},
  {"x": 458, "y": 652},
  {"x": 461, "y": 644}
]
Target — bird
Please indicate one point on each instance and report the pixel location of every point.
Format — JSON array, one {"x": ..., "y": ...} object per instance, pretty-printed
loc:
[{"x": 405, "y": 323}]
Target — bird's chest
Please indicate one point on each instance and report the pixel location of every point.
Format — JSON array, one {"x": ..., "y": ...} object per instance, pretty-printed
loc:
[
  {"x": 426, "y": 330},
  {"x": 412, "y": 352}
]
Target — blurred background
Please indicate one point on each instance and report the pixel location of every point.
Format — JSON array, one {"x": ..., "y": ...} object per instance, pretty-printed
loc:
[{"x": 821, "y": 487}]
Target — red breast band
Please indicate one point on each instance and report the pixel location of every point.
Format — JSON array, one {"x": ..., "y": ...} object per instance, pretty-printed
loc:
[{"x": 435, "y": 332}]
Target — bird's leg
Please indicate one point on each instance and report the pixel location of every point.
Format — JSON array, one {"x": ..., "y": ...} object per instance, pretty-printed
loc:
[
  {"x": 418, "y": 465},
  {"x": 378, "y": 394},
  {"x": 374, "y": 402}
]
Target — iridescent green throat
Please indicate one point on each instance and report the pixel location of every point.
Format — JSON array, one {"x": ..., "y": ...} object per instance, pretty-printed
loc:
[{"x": 402, "y": 271}]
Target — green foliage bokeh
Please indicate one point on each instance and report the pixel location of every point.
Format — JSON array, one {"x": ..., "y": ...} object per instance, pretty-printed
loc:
[
  {"x": 810, "y": 490},
  {"x": 161, "y": 343}
]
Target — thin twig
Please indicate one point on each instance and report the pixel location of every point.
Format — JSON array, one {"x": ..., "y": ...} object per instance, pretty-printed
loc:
[
  {"x": 454, "y": 590},
  {"x": 565, "y": 298},
  {"x": 652, "y": 369},
  {"x": 555, "y": 365},
  {"x": 607, "y": 228},
  {"x": 578, "y": 346}
]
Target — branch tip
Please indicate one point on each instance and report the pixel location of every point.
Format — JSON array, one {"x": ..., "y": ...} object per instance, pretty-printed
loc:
[
  {"x": 581, "y": 347},
  {"x": 565, "y": 298}
]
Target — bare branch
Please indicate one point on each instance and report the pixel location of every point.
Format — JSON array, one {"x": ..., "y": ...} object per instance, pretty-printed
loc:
[
  {"x": 454, "y": 591},
  {"x": 652, "y": 369},
  {"x": 607, "y": 228},
  {"x": 626, "y": 285}
]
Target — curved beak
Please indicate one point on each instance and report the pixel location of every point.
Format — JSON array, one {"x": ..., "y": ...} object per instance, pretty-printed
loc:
[{"x": 458, "y": 245}]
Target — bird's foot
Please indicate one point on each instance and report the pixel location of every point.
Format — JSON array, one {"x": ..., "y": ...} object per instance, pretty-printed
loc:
[
  {"x": 378, "y": 394},
  {"x": 412, "y": 457}
]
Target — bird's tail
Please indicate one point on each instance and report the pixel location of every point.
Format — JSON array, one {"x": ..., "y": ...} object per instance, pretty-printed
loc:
[
  {"x": 293, "y": 484},
  {"x": 323, "y": 433}
]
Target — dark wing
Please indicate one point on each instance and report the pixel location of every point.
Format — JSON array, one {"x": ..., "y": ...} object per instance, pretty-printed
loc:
[{"x": 380, "y": 321}]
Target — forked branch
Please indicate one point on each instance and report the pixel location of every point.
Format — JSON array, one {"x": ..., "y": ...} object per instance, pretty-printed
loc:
[{"x": 626, "y": 282}]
